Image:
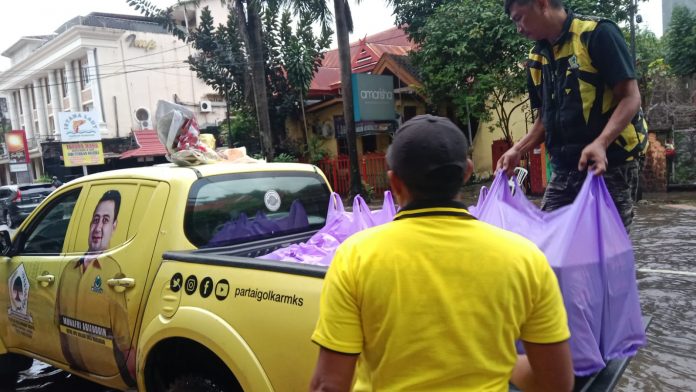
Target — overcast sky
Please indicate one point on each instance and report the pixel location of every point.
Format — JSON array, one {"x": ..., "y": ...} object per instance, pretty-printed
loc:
[{"x": 40, "y": 17}]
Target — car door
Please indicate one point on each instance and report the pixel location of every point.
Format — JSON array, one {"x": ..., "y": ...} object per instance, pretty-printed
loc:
[
  {"x": 99, "y": 295},
  {"x": 33, "y": 265}
]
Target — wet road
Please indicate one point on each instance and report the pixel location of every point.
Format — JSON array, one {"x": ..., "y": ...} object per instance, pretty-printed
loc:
[{"x": 664, "y": 237}]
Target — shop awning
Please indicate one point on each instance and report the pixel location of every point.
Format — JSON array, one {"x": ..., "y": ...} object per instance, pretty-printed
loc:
[{"x": 149, "y": 145}]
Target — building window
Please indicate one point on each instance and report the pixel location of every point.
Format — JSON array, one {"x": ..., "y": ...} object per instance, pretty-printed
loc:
[
  {"x": 369, "y": 144},
  {"x": 84, "y": 74},
  {"x": 409, "y": 112},
  {"x": 33, "y": 99}
]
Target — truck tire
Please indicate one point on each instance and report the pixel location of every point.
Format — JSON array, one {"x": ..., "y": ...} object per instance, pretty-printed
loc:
[{"x": 194, "y": 383}]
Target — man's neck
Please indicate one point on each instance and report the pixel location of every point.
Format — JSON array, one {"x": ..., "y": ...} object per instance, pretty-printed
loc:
[{"x": 557, "y": 19}]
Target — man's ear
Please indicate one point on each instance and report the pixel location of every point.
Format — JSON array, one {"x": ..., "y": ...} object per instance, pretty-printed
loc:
[
  {"x": 469, "y": 170},
  {"x": 398, "y": 188}
]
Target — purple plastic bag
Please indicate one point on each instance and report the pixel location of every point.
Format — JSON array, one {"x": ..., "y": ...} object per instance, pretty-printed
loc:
[
  {"x": 340, "y": 224},
  {"x": 591, "y": 254}
]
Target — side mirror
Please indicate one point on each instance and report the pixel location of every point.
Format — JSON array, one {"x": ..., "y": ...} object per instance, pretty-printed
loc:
[{"x": 5, "y": 241}]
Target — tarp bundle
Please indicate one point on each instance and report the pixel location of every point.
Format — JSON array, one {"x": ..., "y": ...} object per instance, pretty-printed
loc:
[
  {"x": 591, "y": 254},
  {"x": 340, "y": 224}
]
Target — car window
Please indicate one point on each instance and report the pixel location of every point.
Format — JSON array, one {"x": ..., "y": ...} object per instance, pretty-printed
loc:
[
  {"x": 106, "y": 217},
  {"x": 48, "y": 235},
  {"x": 234, "y": 208}
]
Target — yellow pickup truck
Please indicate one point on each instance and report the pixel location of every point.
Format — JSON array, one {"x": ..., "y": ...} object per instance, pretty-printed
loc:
[{"x": 148, "y": 278}]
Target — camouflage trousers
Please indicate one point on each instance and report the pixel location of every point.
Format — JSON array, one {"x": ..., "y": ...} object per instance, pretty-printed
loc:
[{"x": 621, "y": 180}]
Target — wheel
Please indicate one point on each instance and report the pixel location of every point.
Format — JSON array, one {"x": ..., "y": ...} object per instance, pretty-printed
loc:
[{"x": 194, "y": 383}]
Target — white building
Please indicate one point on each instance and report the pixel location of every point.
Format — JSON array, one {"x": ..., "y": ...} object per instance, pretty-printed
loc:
[{"x": 116, "y": 66}]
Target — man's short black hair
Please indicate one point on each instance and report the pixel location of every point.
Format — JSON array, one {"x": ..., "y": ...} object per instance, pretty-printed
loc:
[
  {"x": 115, "y": 196},
  {"x": 429, "y": 154},
  {"x": 509, "y": 3}
]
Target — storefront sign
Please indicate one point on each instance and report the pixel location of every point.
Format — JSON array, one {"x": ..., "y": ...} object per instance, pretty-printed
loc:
[
  {"x": 373, "y": 97},
  {"x": 141, "y": 43},
  {"x": 17, "y": 149},
  {"x": 78, "y": 127},
  {"x": 83, "y": 154}
]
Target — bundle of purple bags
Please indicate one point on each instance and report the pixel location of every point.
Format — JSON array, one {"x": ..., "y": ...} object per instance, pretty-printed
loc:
[
  {"x": 591, "y": 254},
  {"x": 340, "y": 224},
  {"x": 585, "y": 243}
]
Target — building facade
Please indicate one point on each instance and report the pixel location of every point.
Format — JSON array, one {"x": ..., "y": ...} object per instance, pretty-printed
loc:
[
  {"x": 115, "y": 66},
  {"x": 668, "y": 7}
]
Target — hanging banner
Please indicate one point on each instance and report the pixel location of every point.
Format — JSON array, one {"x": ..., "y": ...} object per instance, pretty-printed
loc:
[
  {"x": 18, "y": 150},
  {"x": 78, "y": 127},
  {"x": 83, "y": 154}
]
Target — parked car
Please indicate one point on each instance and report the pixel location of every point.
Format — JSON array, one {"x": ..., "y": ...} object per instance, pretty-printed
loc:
[{"x": 18, "y": 201}]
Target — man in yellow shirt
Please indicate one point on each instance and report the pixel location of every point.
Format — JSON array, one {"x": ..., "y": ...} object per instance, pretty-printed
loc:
[
  {"x": 435, "y": 300},
  {"x": 92, "y": 317}
]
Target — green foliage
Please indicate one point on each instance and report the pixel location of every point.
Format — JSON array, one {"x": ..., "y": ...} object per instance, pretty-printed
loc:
[
  {"x": 292, "y": 59},
  {"x": 223, "y": 58},
  {"x": 243, "y": 131},
  {"x": 616, "y": 10},
  {"x": 316, "y": 149},
  {"x": 472, "y": 54},
  {"x": 284, "y": 157},
  {"x": 45, "y": 178},
  {"x": 368, "y": 192},
  {"x": 680, "y": 42}
]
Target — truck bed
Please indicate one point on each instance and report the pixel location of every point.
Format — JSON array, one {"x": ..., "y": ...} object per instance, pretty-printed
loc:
[{"x": 246, "y": 256}]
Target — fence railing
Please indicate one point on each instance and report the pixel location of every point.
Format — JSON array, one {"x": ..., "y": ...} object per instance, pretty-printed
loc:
[{"x": 373, "y": 171}]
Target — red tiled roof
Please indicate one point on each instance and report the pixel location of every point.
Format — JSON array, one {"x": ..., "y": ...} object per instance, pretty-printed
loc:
[
  {"x": 323, "y": 80},
  {"x": 149, "y": 145},
  {"x": 328, "y": 76}
]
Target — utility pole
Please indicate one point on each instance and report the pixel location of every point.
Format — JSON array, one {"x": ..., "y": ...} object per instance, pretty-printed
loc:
[{"x": 633, "y": 8}]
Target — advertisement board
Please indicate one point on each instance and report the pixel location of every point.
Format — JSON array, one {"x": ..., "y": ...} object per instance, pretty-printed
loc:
[
  {"x": 373, "y": 97},
  {"x": 78, "y": 127},
  {"x": 83, "y": 154},
  {"x": 17, "y": 150}
]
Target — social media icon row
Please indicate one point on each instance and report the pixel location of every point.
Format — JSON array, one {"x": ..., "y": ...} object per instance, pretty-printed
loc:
[{"x": 205, "y": 288}]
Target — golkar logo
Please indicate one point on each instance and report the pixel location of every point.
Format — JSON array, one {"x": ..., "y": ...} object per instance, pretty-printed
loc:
[{"x": 97, "y": 286}]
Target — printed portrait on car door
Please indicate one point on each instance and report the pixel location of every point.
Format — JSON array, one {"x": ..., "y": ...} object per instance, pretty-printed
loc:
[{"x": 91, "y": 306}]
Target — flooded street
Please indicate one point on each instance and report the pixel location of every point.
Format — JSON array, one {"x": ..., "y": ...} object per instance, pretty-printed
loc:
[{"x": 664, "y": 238}]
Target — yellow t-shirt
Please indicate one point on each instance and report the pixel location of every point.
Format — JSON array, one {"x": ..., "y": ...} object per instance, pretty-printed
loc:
[{"x": 435, "y": 301}]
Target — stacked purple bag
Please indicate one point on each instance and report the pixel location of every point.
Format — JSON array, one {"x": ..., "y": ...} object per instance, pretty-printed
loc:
[
  {"x": 591, "y": 254},
  {"x": 340, "y": 224}
]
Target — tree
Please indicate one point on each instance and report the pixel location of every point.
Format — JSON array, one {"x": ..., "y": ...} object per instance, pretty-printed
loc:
[
  {"x": 302, "y": 55},
  {"x": 479, "y": 65},
  {"x": 344, "y": 25},
  {"x": 470, "y": 54},
  {"x": 680, "y": 42},
  {"x": 249, "y": 22}
]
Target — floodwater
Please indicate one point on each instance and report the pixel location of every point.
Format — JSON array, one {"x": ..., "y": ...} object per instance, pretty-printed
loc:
[{"x": 664, "y": 238}]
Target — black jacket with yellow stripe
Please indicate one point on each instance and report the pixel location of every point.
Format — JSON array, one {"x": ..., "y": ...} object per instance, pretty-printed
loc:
[{"x": 575, "y": 97}]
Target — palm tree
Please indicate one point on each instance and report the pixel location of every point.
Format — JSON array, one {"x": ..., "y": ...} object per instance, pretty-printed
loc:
[{"x": 344, "y": 25}]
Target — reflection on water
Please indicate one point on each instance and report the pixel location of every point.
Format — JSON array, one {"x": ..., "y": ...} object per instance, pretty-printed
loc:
[{"x": 664, "y": 238}]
